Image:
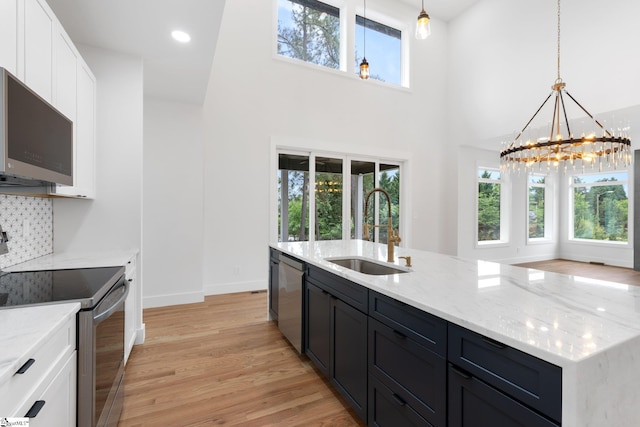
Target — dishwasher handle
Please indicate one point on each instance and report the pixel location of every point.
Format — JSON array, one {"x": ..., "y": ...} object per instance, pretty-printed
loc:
[{"x": 292, "y": 262}]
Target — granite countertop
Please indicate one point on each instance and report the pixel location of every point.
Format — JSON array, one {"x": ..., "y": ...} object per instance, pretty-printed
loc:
[
  {"x": 64, "y": 260},
  {"x": 559, "y": 318},
  {"x": 36, "y": 324}
]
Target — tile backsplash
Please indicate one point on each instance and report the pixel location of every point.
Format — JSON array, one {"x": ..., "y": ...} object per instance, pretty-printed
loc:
[{"x": 37, "y": 214}]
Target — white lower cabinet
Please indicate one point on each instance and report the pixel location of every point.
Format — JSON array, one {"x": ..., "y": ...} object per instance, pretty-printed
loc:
[
  {"x": 56, "y": 405},
  {"x": 45, "y": 384},
  {"x": 131, "y": 317}
]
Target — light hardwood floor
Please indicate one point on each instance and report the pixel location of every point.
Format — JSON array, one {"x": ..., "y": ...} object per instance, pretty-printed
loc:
[
  {"x": 221, "y": 362},
  {"x": 584, "y": 269}
]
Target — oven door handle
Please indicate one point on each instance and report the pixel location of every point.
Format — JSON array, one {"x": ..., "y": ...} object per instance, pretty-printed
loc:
[{"x": 103, "y": 314}]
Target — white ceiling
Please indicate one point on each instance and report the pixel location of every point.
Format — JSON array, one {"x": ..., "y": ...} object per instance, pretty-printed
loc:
[{"x": 173, "y": 70}]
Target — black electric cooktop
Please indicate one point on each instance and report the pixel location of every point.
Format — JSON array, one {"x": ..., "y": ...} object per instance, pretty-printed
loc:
[{"x": 85, "y": 285}]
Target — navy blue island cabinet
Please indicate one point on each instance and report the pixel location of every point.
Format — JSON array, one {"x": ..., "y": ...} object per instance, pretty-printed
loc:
[
  {"x": 397, "y": 365},
  {"x": 336, "y": 334}
]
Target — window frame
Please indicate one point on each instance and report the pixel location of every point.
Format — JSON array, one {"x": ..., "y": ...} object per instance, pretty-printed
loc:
[
  {"x": 347, "y": 66},
  {"x": 505, "y": 231},
  {"x": 347, "y": 158},
  {"x": 571, "y": 185},
  {"x": 548, "y": 208}
]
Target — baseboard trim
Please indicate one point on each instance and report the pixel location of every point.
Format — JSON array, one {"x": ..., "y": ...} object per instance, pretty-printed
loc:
[
  {"x": 231, "y": 288},
  {"x": 173, "y": 299}
]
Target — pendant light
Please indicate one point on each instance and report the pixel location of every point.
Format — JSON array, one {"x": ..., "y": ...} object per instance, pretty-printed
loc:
[
  {"x": 423, "y": 26},
  {"x": 364, "y": 65},
  {"x": 599, "y": 147}
]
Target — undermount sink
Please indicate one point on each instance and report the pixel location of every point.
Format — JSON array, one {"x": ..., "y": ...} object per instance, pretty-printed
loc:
[{"x": 368, "y": 266}]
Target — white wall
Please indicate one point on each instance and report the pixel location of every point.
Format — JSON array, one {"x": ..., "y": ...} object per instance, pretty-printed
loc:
[
  {"x": 113, "y": 220},
  {"x": 254, "y": 97},
  {"x": 173, "y": 203},
  {"x": 502, "y": 65}
]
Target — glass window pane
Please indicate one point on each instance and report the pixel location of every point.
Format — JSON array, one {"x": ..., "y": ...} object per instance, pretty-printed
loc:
[
  {"x": 383, "y": 50},
  {"x": 601, "y": 213},
  {"x": 389, "y": 180},
  {"x": 488, "y": 211},
  {"x": 536, "y": 212},
  {"x": 489, "y": 174},
  {"x": 362, "y": 174},
  {"x": 599, "y": 177},
  {"x": 328, "y": 198},
  {"x": 309, "y": 30},
  {"x": 293, "y": 197}
]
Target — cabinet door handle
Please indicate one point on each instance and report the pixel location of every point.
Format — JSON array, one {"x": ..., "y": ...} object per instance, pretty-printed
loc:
[
  {"x": 494, "y": 343},
  {"x": 24, "y": 368},
  {"x": 35, "y": 409},
  {"x": 399, "y": 334},
  {"x": 400, "y": 401},
  {"x": 460, "y": 372}
]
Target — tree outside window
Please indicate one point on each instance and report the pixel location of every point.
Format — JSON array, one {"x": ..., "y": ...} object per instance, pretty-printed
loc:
[
  {"x": 601, "y": 207},
  {"x": 309, "y": 30},
  {"x": 489, "y": 204},
  {"x": 536, "y": 215}
]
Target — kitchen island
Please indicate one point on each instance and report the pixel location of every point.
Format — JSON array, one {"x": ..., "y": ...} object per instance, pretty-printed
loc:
[{"x": 588, "y": 329}]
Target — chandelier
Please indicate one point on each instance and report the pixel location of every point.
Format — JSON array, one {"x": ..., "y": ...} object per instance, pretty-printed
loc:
[{"x": 601, "y": 147}]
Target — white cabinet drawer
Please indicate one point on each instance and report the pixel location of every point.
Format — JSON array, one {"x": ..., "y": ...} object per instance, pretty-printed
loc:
[
  {"x": 48, "y": 356},
  {"x": 57, "y": 395}
]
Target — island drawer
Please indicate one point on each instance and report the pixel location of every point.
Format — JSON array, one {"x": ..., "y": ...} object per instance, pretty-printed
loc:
[
  {"x": 388, "y": 409},
  {"x": 36, "y": 367},
  {"x": 530, "y": 380},
  {"x": 472, "y": 402},
  {"x": 414, "y": 373},
  {"x": 352, "y": 293},
  {"x": 428, "y": 330}
]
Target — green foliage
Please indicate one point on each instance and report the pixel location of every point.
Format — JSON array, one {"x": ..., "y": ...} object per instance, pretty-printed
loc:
[
  {"x": 601, "y": 212},
  {"x": 488, "y": 210},
  {"x": 314, "y": 37}
]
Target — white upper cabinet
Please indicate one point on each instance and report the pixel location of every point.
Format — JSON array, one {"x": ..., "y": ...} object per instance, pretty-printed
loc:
[
  {"x": 9, "y": 35},
  {"x": 39, "y": 22},
  {"x": 64, "y": 75},
  {"x": 85, "y": 136},
  {"x": 35, "y": 48}
]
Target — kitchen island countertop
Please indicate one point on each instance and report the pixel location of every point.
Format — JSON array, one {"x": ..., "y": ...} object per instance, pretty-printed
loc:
[{"x": 590, "y": 328}]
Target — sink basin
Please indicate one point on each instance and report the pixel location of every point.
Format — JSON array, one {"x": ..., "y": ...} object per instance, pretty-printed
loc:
[{"x": 368, "y": 266}]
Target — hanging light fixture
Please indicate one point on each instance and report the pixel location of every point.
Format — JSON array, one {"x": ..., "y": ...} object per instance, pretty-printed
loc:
[
  {"x": 423, "y": 26},
  {"x": 364, "y": 65},
  {"x": 594, "y": 147}
]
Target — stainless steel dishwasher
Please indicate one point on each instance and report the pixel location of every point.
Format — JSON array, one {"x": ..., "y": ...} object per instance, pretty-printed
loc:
[{"x": 291, "y": 273}]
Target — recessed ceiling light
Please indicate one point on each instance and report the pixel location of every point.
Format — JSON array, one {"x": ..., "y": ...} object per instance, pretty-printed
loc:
[{"x": 181, "y": 36}]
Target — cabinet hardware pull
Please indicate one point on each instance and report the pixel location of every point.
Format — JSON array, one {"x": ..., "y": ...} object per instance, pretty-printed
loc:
[
  {"x": 460, "y": 372},
  {"x": 26, "y": 366},
  {"x": 494, "y": 343},
  {"x": 399, "y": 334},
  {"x": 400, "y": 401},
  {"x": 35, "y": 409}
]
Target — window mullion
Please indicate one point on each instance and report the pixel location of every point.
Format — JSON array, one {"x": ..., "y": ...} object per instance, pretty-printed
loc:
[{"x": 312, "y": 197}]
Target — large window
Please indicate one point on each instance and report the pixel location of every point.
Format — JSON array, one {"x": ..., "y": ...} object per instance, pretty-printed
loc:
[
  {"x": 293, "y": 197},
  {"x": 309, "y": 30},
  {"x": 383, "y": 50},
  {"x": 538, "y": 213},
  {"x": 600, "y": 206},
  {"x": 330, "y": 34},
  {"x": 490, "y": 216},
  {"x": 337, "y": 208},
  {"x": 329, "y": 197}
]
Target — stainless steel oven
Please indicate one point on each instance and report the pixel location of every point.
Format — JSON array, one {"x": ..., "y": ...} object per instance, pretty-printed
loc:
[
  {"x": 100, "y": 341},
  {"x": 101, "y": 359}
]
